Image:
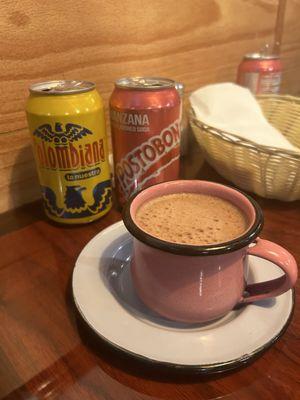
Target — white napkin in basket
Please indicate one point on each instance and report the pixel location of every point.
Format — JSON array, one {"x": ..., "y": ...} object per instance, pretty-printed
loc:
[{"x": 234, "y": 109}]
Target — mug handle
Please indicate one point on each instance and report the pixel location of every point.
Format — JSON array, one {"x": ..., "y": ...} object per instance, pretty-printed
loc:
[{"x": 278, "y": 255}]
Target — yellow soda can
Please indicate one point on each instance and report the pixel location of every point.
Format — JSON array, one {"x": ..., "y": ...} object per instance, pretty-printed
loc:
[{"x": 66, "y": 120}]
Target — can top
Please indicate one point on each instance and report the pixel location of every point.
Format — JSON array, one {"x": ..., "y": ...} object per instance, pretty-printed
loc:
[
  {"x": 180, "y": 88},
  {"x": 261, "y": 56},
  {"x": 144, "y": 83},
  {"x": 61, "y": 87}
]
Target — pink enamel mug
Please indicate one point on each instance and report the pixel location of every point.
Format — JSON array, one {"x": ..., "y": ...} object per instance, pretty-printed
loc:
[{"x": 192, "y": 283}]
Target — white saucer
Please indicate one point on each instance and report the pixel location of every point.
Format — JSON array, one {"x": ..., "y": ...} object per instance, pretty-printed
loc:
[{"x": 107, "y": 301}]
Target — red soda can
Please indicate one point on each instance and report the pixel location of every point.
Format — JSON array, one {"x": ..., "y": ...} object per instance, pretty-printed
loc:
[
  {"x": 261, "y": 73},
  {"x": 145, "y": 117}
]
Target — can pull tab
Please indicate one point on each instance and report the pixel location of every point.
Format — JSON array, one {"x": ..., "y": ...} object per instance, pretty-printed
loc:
[{"x": 265, "y": 50}]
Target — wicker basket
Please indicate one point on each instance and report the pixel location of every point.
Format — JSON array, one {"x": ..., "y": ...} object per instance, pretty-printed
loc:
[{"x": 266, "y": 171}]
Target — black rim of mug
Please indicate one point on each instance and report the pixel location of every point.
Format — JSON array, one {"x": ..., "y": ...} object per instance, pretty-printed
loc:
[{"x": 191, "y": 250}]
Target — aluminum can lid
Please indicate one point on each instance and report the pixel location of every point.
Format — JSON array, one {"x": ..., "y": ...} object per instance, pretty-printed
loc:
[
  {"x": 61, "y": 87},
  {"x": 144, "y": 83}
]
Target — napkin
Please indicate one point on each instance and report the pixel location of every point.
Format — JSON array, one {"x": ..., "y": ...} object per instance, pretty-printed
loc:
[{"x": 233, "y": 109}]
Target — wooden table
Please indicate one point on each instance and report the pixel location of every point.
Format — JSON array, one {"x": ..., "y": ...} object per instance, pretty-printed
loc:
[{"x": 47, "y": 353}]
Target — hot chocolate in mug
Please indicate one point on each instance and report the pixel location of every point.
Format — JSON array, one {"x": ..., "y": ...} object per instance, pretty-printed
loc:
[{"x": 192, "y": 283}]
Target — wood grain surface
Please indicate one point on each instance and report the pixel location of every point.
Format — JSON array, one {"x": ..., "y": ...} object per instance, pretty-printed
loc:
[
  {"x": 290, "y": 48},
  {"x": 47, "y": 352},
  {"x": 196, "y": 42}
]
